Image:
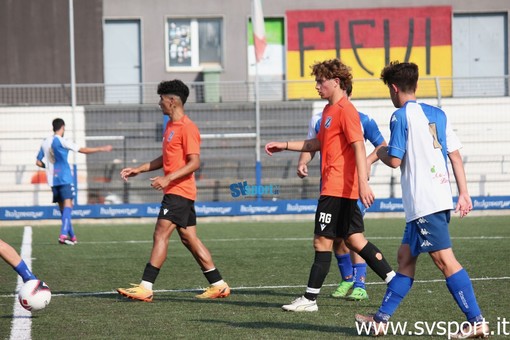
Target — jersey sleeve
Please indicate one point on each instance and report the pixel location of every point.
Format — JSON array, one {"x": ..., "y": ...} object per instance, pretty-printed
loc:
[
  {"x": 398, "y": 134},
  {"x": 371, "y": 131},
  {"x": 352, "y": 125},
  {"x": 40, "y": 154},
  {"x": 314, "y": 125},
  {"x": 191, "y": 140},
  {"x": 69, "y": 145},
  {"x": 452, "y": 141}
]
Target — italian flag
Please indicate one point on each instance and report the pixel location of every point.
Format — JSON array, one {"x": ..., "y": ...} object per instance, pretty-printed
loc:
[{"x": 259, "y": 32}]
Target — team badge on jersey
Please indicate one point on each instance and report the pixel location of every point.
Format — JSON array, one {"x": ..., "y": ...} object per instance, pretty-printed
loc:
[
  {"x": 327, "y": 123},
  {"x": 170, "y": 136}
]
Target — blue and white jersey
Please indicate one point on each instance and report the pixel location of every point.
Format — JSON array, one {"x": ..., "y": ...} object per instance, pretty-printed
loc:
[
  {"x": 46, "y": 156},
  {"x": 61, "y": 169},
  {"x": 314, "y": 125},
  {"x": 421, "y": 136}
]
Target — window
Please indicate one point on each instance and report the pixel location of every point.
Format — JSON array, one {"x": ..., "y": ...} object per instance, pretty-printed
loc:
[{"x": 194, "y": 44}]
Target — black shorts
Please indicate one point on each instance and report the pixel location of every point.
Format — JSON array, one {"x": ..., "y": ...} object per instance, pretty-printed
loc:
[
  {"x": 178, "y": 210},
  {"x": 338, "y": 217}
]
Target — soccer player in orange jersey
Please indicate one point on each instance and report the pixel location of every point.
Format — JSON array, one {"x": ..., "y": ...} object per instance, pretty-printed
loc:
[
  {"x": 180, "y": 159},
  {"x": 344, "y": 179}
]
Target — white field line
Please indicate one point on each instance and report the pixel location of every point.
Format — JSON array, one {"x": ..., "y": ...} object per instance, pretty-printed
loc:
[
  {"x": 21, "y": 326},
  {"x": 295, "y": 239},
  {"x": 78, "y": 294}
]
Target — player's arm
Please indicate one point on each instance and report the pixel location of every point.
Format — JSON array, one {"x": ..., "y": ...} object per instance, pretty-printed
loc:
[
  {"x": 464, "y": 204},
  {"x": 366, "y": 194},
  {"x": 303, "y": 146},
  {"x": 392, "y": 162},
  {"x": 155, "y": 164},
  {"x": 192, "y": 164},
  {"x": 304, "y": 159},
  {"x": 39, "y": 158},
  {"x": 87, "y": 150}
]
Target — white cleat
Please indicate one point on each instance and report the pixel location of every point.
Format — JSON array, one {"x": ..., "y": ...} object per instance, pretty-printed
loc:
[{"x": 301, "y": 304}]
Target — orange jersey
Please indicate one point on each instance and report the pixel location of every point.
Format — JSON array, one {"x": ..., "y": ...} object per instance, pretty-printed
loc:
[
  {"x": 340, "y": 127},
  {"x": 180, "y": 139}
]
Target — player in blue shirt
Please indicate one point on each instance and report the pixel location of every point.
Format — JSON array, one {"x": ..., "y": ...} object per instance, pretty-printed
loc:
[
  {"x": 352, "y": 267},
  {"x": 421, "y": 141},
  {"x": 54, "y": 151}
]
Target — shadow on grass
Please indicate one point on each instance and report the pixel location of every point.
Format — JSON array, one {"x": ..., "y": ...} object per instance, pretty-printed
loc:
[{"x": 347, "y": 331}]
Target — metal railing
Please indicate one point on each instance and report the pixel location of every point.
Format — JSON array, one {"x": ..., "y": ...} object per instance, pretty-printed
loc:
[{"x": 242, "y": 91}]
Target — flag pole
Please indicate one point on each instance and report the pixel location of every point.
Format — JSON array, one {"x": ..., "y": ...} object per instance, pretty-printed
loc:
[{"x": 259, "y": 44}]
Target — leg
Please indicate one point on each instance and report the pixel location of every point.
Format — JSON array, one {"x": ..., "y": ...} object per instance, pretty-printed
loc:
[
  {"x": 11, "y": 256},
  {"x": 458, "y": 283},
  {"x": 161, "y": 237},
  {"x": 199, "y": 251},
  {"x": 398, "y": 287},
  {"x": 344, "y": 266},
  {"x": 371, "y": 254},
  {"x": 318, "y": 273},
  {"x": 359, "y": 273}
]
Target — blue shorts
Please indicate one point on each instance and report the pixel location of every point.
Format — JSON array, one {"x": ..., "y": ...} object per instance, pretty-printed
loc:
[
  {"x": 428, "y": 233},
  {"x": 63, "y": 192}
]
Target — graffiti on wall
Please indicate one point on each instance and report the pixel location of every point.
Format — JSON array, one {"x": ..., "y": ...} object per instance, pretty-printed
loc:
[{"x": 367, "y": 40}]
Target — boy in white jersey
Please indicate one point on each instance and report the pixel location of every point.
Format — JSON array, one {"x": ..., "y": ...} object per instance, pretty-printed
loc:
[
  {"x": 54, "y": 151},
  {"x": 421, "y": 140}
]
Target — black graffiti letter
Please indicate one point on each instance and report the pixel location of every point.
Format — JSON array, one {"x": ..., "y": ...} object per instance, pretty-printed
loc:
[
  {"x": 410, "y": 39},
  {"x": 356, "y": 46},
  {"x": 301, "y": 27}
]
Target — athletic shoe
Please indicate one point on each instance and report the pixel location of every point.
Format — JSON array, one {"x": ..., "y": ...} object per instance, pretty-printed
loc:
[
  {"x": 342, "y": 289},
  {"x": 376, "y": 328},
  {"x": 470, "y": 332},
  {"x": 137, "y": 292},
  {"x": 215, "y": 292},
  {"x": 301, "y": 304},
  {"x": 74, "y": 239},
  {"x": 358, "y": 294}
]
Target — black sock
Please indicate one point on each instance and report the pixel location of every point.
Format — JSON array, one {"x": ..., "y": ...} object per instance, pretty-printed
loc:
[
  {"x": 318, "y": 273},
  {"x": 213, "y": 276},
  {"x": 375, "y": 260},
  {"x": 150, "y": 273}
]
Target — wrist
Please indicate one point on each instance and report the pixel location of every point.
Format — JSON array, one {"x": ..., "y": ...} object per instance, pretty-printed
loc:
[{"x": 287, "y": 146}]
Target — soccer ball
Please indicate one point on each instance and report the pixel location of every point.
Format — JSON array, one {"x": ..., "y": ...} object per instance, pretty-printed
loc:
[{"x": 34, "y": 295}]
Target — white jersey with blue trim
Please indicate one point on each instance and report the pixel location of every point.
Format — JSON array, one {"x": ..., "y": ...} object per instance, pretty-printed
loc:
[
  {"x": 422, "y": 137},
  {"x": 61, "y": 168},
  {"x": 45, "y": 155}
]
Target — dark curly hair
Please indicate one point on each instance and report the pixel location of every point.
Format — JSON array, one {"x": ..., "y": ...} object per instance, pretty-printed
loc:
[
  {"x": 176, "y": 87},
  {"x": 403, "y": 75},
  {"x": 333, "y": 68}
]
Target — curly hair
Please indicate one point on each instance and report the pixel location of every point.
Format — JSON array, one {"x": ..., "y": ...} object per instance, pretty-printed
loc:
[
  {"x": 176, "y": 87},
  {"x": 403, "y": 75},
  {"x": 333, "y": 68}
]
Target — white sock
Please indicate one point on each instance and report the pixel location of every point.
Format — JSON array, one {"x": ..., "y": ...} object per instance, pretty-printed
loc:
[
  {"x": 146, "y": 284},
  {"x": 220, "y": 282}
]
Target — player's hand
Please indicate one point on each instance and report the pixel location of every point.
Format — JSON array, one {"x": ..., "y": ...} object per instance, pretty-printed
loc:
[
  {"x": 366, "y": 195},
  {"x": 159, "y": 183},
  {"x": 107, "y": 148},
  {"x": 273, "y": 147},
  {"x": 302, "y": 170},
  {"x": 464, "y": 205},
  {"x": 128, "y": 172}
]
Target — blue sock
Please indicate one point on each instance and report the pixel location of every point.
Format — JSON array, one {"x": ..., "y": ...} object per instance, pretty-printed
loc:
[
  {"x": 67, "y": 227},
  {"x": 397, "y": 289},
  {"x": 24, "y": 272},
  {"x": 359, "y": 273},
  {"x": 345, "y": 266},
  {"x": 459, "y": 285}
]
